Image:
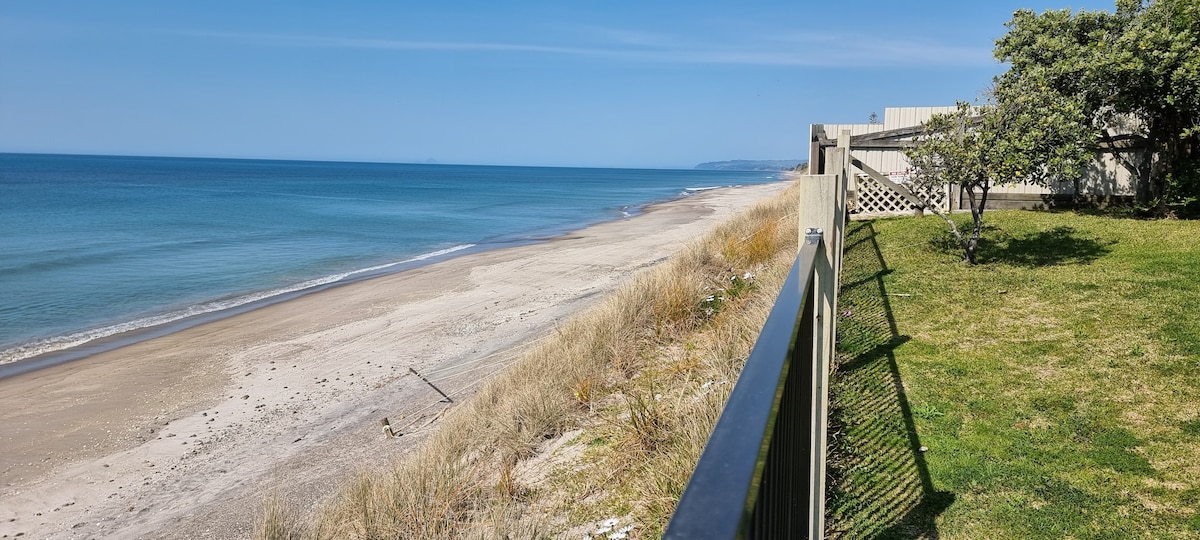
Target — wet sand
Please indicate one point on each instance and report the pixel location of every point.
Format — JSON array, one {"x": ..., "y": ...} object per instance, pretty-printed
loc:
[{"x": 184, "y": 436}]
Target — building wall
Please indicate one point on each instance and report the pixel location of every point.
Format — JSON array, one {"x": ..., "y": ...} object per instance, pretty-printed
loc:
[
  {"x": 887, "y": 161},
  {"x": 902, "y": 117},
  {"x": 1108, "y": 177}
]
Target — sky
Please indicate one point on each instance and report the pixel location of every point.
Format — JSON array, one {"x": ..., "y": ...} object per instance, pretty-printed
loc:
[{"x": 654, "y": 84}]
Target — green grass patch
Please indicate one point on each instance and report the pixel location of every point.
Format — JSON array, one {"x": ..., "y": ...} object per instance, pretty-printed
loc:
[{"x": 1051, "y": 392}]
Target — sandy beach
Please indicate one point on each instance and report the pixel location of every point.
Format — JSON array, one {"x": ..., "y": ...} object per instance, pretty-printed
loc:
[{"x": 185, "y": 436}]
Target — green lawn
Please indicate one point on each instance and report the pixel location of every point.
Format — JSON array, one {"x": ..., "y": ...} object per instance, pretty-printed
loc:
[{"x": 1055, "y": 387}]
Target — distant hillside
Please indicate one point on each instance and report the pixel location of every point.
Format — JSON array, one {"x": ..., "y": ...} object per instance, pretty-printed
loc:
[{"x": 751, "y": 165}]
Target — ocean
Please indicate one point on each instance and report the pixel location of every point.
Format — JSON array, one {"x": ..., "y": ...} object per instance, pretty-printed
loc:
[{"x": 93, "y": 248}]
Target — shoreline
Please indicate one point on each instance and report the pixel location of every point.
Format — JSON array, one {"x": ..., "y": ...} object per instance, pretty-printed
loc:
[
  {"x": 185, "y": 435},
  {"x": 180, "y": 321}
]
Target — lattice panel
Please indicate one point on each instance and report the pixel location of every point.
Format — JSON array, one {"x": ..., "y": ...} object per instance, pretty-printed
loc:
[{"x": 876, "y": 198}]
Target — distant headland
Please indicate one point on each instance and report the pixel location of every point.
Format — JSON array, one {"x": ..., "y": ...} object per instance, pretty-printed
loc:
[{"x": 752, "y": 165}]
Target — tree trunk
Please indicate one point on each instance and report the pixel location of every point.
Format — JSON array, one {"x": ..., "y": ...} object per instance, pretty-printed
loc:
[
  {"x": 1150, "y": 185},
  {"x": 962, "y": 242},
  {"x": 1170, "y": 156},
  {"x": 1143, "y": 187},
  {"x": 971, "y": 245}
]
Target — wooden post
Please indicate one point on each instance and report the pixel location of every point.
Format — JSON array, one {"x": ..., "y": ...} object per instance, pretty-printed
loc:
[
  {"x": 814, "y": 148},
  {"x": 834, "y": 249},
  {"x": 841, "y": 214},
  {"x": 819, "y": 210},
  {"x": 844, "y": 139},
  {"x": 387, "y": 429},
  {"x": 436, "y": 389}
]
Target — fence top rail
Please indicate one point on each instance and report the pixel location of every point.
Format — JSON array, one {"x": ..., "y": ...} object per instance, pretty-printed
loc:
[{"x": 722, "y": 489}]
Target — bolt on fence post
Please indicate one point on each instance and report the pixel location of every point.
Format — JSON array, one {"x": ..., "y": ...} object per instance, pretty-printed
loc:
[{"x": 818, "y": 212}]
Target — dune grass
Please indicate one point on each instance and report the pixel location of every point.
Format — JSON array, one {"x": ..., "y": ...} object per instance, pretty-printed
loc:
[
  {"x": 1055, "y": 388},
  {"x": 602, "y": 420}
]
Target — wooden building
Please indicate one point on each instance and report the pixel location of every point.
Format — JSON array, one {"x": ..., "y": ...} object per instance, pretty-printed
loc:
[{"x": 879, "y": 146}]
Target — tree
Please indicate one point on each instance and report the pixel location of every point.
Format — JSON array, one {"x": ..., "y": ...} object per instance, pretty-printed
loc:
[
  {"x": 1138, "y": 67},
  {"x": 1011, "y": 139}
]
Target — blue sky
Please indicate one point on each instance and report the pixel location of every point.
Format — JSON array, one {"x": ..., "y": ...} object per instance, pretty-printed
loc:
[{"x": 661, "y": 84}]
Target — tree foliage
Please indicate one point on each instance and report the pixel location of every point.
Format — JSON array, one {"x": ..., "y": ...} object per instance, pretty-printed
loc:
[
  {"x": 1136, "y": 72},
  {"x": 1013, "y": 138}
]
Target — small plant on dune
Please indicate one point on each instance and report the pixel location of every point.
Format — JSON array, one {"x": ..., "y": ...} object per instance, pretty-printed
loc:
[
  {"x": 278, "y": 522},
  {"x": 674, "y": 302},
  {"x": 712, "y": 304},
  {"x": 583, "y": 391},
  {"x": 624, "y": 356},
  {"x": 738, "y": 286},
  {"x": 686, "y": 361},
  {"x": 506, "y": 484},
  {"x": 647, "y": 427}
]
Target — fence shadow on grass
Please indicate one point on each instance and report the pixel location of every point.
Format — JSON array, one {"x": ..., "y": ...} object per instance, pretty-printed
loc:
[{"x": 879, "y": 485}]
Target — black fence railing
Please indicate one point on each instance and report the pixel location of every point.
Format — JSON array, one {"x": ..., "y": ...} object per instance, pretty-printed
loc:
[{"x": 755, "y": 478}]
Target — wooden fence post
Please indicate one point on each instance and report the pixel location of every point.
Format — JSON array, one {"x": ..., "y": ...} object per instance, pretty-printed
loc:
[
  {"x": 822, "y": 208},
  {"x": 814, "y": 149},
  {"x": 841, "y": 209}
]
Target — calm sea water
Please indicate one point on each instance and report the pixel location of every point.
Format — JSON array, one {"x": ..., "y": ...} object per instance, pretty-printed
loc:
[{"x": 95, "y": 246}]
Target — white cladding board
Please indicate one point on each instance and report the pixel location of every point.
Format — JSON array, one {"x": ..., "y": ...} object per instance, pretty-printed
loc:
[{"x": 902, "y": 117}]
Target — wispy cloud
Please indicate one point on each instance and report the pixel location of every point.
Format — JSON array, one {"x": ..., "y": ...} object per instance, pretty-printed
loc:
[
  {"x": 789, "y": 50},
  {"x": 865, "y": 50}
]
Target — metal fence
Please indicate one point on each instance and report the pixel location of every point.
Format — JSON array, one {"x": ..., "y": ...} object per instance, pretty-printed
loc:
[
  {"x": 762, "y": 473},
  {"x": 752, "y": 479}
]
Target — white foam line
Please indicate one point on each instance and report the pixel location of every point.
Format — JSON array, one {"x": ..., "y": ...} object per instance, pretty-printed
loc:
[{"x": 58, "y": 343}]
